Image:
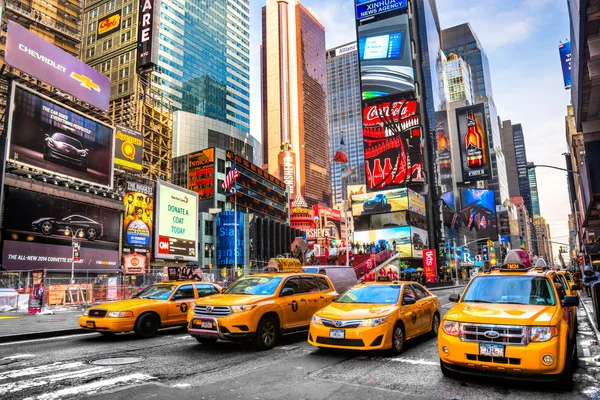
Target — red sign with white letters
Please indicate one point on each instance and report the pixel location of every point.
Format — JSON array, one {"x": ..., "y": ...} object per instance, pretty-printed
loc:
[
  {"x": 429, "y": 264},
  {"x": 164, "y": 245}
]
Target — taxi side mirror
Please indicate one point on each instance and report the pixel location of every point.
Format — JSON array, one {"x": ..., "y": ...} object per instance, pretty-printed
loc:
[
  {"x": 454, "y": 298},
  {"x": 570, "y": 301},
  {"x": 287, "y": 292},
  {"x": 408, "y": 301},
  {"x": 575, "y": 287}
]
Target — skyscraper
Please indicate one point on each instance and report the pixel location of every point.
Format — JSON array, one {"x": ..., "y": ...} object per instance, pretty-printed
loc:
[
  {"x": 544, "y": 244},
  {"x": 508, "y": 146},
  {"x": 535, "y": 200},
  {"x": 295, "y": 136},
  {"x": 521, "y": 159},
  {"x": 343, "y": 99}
]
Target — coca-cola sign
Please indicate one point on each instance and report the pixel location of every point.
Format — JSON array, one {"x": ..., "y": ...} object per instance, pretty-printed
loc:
[{"x": 400, "y": 110}]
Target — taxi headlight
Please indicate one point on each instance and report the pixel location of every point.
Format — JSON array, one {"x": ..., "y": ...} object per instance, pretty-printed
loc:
[
  {"x": 452, "y": 328},
  {"x": 86, "y": 313},
  {"x": 119, "y": 314},
  {"x": 248, "y": 307},
  {"x": 316, "y": 320},
  {"x": 541, "y": 333},
  {"x": 374, "y": 321}
]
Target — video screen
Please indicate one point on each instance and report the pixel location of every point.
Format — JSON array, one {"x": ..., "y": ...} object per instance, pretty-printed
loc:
[{"x": 381, "y": 47}]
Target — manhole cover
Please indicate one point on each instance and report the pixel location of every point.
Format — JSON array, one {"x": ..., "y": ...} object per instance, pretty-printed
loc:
[{"x": 117, "y": 361}]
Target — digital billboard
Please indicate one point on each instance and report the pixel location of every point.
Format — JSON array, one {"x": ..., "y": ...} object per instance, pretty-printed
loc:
[
  {"x": 139, "y": 215},
  {"x": 201, "y": 173},
  {"x": 416, "y": 203},
  {"x": 380, "y": 202},
  {"x": 443, "y": 153},
  {"x": 392, "y": 145},
  {"x": 57, "y": 139},
  {"x": 31, "y": 54},
  {"x": 38, "y": 230},
  {"x": 148, "y": 33},
  {"x": 135, "y": 263},
  {"x": 109, "y": 25},
  {"x": 473, "y": 140},
  {"x": 564, "y": 50},
  {"x": 370, "y": 8},
  {"x": 479, "y": 212},
  {"x": 129, "y": 147},
  {"x": 385, "y": 57},
  {"x": 409, "y": 241},
  {"x": 176, "y": 235},
  {"x": 226, "y": 235}
]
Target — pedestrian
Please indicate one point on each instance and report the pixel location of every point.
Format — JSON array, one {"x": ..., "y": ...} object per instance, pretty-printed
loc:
[
  {"x": 394, "y": 246},
  {"x": 589, "y": 276}
]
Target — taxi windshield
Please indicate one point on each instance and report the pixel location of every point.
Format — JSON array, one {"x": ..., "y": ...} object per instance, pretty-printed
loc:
[
  {"x": 156, "y": 292},
  {"x": 374, "y": 294},
  {"x": 260, "y": 285},
  {"x": 506, "y": 289}
]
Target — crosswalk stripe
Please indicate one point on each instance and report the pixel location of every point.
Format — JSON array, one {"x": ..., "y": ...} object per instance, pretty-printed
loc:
[
  {"x": 57, "y": 366},
  {"x": 18, "y": 386}
]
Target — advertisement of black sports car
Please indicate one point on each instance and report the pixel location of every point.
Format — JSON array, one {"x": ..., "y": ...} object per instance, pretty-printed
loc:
[
  {"x": 380, "y": 202},
  {"x": 48, "y": 136},
  {"x": 38, "y": 231}
]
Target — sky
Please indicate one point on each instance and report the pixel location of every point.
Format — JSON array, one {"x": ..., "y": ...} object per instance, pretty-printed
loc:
[{"x": 521, "y": 41}]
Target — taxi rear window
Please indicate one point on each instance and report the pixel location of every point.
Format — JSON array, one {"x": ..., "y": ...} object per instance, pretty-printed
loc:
[{"x": 511, "y": 289}]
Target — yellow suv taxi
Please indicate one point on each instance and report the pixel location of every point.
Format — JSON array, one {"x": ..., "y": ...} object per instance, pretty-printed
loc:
[
  {"x": 261, "y": 307},
  {"x": 375, "y": 316},
  {"x": 157, "y": 306},
  {"x": 512, "y": 321}
]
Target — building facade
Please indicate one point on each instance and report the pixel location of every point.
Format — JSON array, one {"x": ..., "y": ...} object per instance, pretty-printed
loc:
[
  {"x": 521, "y": 159},
  {"x": 524, "y": 222},
  {"x": 295, "y": 138},
  {"x": 544, "y": 239},
  {"x": 345, "y": 118},
  {"x": 533, "y": 188}
]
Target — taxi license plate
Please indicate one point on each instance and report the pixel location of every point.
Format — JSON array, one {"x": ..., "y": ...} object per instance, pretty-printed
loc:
[
  {"x": 90, "y": 324},
  {"x": 492, "y": 350},
  {"x": 337, "y": 334},
  {"x": 206, "y": 325}
]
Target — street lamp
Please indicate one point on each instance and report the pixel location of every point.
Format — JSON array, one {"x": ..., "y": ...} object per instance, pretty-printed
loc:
[
  {"x": 533, "y": 166},
  {"x": 210, "y": 250},
  {"x": 79, "y": 232}
]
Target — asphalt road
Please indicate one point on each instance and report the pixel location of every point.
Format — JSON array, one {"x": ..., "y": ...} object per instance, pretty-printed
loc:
[{"x": 174, "y": 366}]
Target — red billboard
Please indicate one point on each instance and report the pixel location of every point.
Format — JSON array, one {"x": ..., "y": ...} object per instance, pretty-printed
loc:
[{"x": 429, "y": 265}]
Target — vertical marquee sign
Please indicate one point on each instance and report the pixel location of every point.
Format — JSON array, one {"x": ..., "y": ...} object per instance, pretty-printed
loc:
[{"x": 148, "y": 25}]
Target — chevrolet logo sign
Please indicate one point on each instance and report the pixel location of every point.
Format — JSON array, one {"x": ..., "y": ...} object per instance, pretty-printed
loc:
[{"x": 86, "y": 82}]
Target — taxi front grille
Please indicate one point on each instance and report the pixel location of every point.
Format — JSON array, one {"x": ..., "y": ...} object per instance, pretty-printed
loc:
[
  {"x": 97, "y": 313},
  {"x": 495, "y": 360},
  {"x": 212, "y": 311},
  {"x": 330, "y": 323},
  {"x": 501, "y": 334}
]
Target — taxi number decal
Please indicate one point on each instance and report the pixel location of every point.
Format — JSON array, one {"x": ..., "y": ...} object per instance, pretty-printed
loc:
[
  {"x": 294, "y": 305},
  {"x": 183, "y": 307}
]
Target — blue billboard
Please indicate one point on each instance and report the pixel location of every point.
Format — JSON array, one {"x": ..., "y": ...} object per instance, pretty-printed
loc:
[
  {"x": 226, "y": 238},
  {"x": 479, "y": 213},
  {"x": 369, "y": 8},
  {"x": 564, "y": 50}
]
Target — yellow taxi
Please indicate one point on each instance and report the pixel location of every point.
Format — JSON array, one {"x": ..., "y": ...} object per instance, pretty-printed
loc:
[
  {"x": 375, "y": 316},
  {"x": 260, "y": 308},
  {"x": 514, "y": 322},
  {"x": 157, "y": 306},
  {"x": 568, "y": 282}
]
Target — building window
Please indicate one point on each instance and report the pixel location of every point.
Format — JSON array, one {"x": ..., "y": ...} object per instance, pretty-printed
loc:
[
  {"x": 221, "y": 166},
  {"x": 91, "y": 27},
  {"x": 105, "y": 66},
  {"x": 123, "y": 87},
  {"x": 126, "y": 23},
  {"x": 107, "y": 44},
  {"x": 91, "y": 39},
  {"x": 90, "y": 52},
  {"x": 93, "y": 13},
  {"x": 221, "y": 205},
  {"x": 124, "y": 73},
  {"x": 209, "y": 228},
  {"x": 124, "y": 59},
  {"x": 125, "y": 36},
  {"x": 110, "y": 5},
  {"x": 127, "y": 10}
]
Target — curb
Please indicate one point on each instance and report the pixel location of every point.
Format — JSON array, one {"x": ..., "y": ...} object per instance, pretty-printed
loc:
[
  {"x": 589, "y": 316},
  {"x": 40, "y": 335}
]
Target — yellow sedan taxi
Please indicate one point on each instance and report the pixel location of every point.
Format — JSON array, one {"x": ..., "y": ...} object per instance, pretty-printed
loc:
[
  {"x": 157, "y": 306},
  {"x": 513, "y": 321},
  {"x": 376, "y": 316}
]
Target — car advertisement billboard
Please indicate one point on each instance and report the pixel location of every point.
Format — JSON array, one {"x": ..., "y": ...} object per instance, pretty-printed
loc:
[
  {"x": 385, "y": 57},
  {"x": 139, "y": 215},
  {"x": 129, "y": 147},
  {"x": 31, "y": 54},
  {"x": 370, "y": 8},
  {"x": 409, "y": 241},
  {"x": 38, "y": 231},
  {"x": 48, "y": 136},
  {"x": 380, "y": 202},
  {"x": 564, "y": 50},
  {"x": 201, "y": 173},
  {"x": 177, "y": 223},
  {"x": 109, "y": 25},
  {"x": 392, "y": 145},
  {"x": 479, "y": 212},
  {"x": 380, "y": 221},
  {"x": 226, "y": 238},
  {"x": 473, "y": 139}
]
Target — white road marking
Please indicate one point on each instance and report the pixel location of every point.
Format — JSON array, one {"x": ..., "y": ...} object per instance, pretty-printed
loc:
[
  {"x": 446, "y": 305},
  {"x": 181, "y": 385},
  {"x": 17, "y": 373},
  {"x": 91, "y": 388},
  {"x": 41, "y": 381},
  {"x": 414, "y": 361},
  {"x": 47, "y": 339},
  {"x": 183, "y": 337},
  {"x": 17, "y": 356}
]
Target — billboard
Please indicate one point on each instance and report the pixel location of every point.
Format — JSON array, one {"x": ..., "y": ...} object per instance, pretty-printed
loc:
[
  {"x": 148, "y": 27},
  {"x": 38, "y": 231},
  {"x": 385, "y": 57},
  {"x": 176, "y": 234},
  {"x": 409, "y": 241},
  {"x": 380, "y": 221},
  {"x": 392, "y": 144},
  {"x": 430, "y": 264},
  {"x": 416, "y": 203},
  {"x": 135, "y": 263},
  {"x": 479, "y": 212},
  {"x": 380, "y": 202},
  {"x": 139, "y": 215},
  {"x": 226, "y": 235},
  {"x": 48, "y": 136},
  {"x": 109, "y": 25},
  {"x": 370, "y": 8},
  {"x": 564, "y": 49},
  {"x": 473, "y": 139},
  {"x": 129, "y": 145},
  {"x": 201, "y": 173},
  {"x": 443, "y": 153},
  {"x": 33, "y": 55}
]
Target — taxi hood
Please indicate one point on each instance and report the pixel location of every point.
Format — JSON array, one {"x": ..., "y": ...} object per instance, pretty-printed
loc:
[
  {"x": 126, "y": 305},
  {"x": 347, "y": 311},
  {"x": 230, "y": 299},
  {"x": 501, "y": 314}
]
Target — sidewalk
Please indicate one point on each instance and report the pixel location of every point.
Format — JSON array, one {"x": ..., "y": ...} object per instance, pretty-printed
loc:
[{"x": 22, "y": 326}]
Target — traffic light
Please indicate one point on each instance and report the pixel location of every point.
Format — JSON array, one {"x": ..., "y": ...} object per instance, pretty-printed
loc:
[
  {"x": 485, "y": 254},
  {"x": 490, "y": 243}
]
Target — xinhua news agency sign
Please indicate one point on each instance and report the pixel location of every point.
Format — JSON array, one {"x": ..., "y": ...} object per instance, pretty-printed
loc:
[
  {"x": 369, "y": 8},
  {"x": 32, "y": 55}
]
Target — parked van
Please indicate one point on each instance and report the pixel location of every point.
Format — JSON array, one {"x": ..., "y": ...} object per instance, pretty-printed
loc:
[{"x": 343, "y": 278}]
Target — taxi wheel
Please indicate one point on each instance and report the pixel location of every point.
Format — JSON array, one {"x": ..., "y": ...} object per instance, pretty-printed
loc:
[
  {"x": 435, "y": 325},
  {"x": 267, "y": 333},
  {"x": 566, "y": 380},
  {"x": 146, "y": 326},
  {"x": 397, "y": 339}
]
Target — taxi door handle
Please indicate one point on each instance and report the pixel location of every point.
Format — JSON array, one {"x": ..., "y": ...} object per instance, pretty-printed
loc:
[
  {"x": 302, "y": 300},
  {"x": 322, "y": 297}
]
